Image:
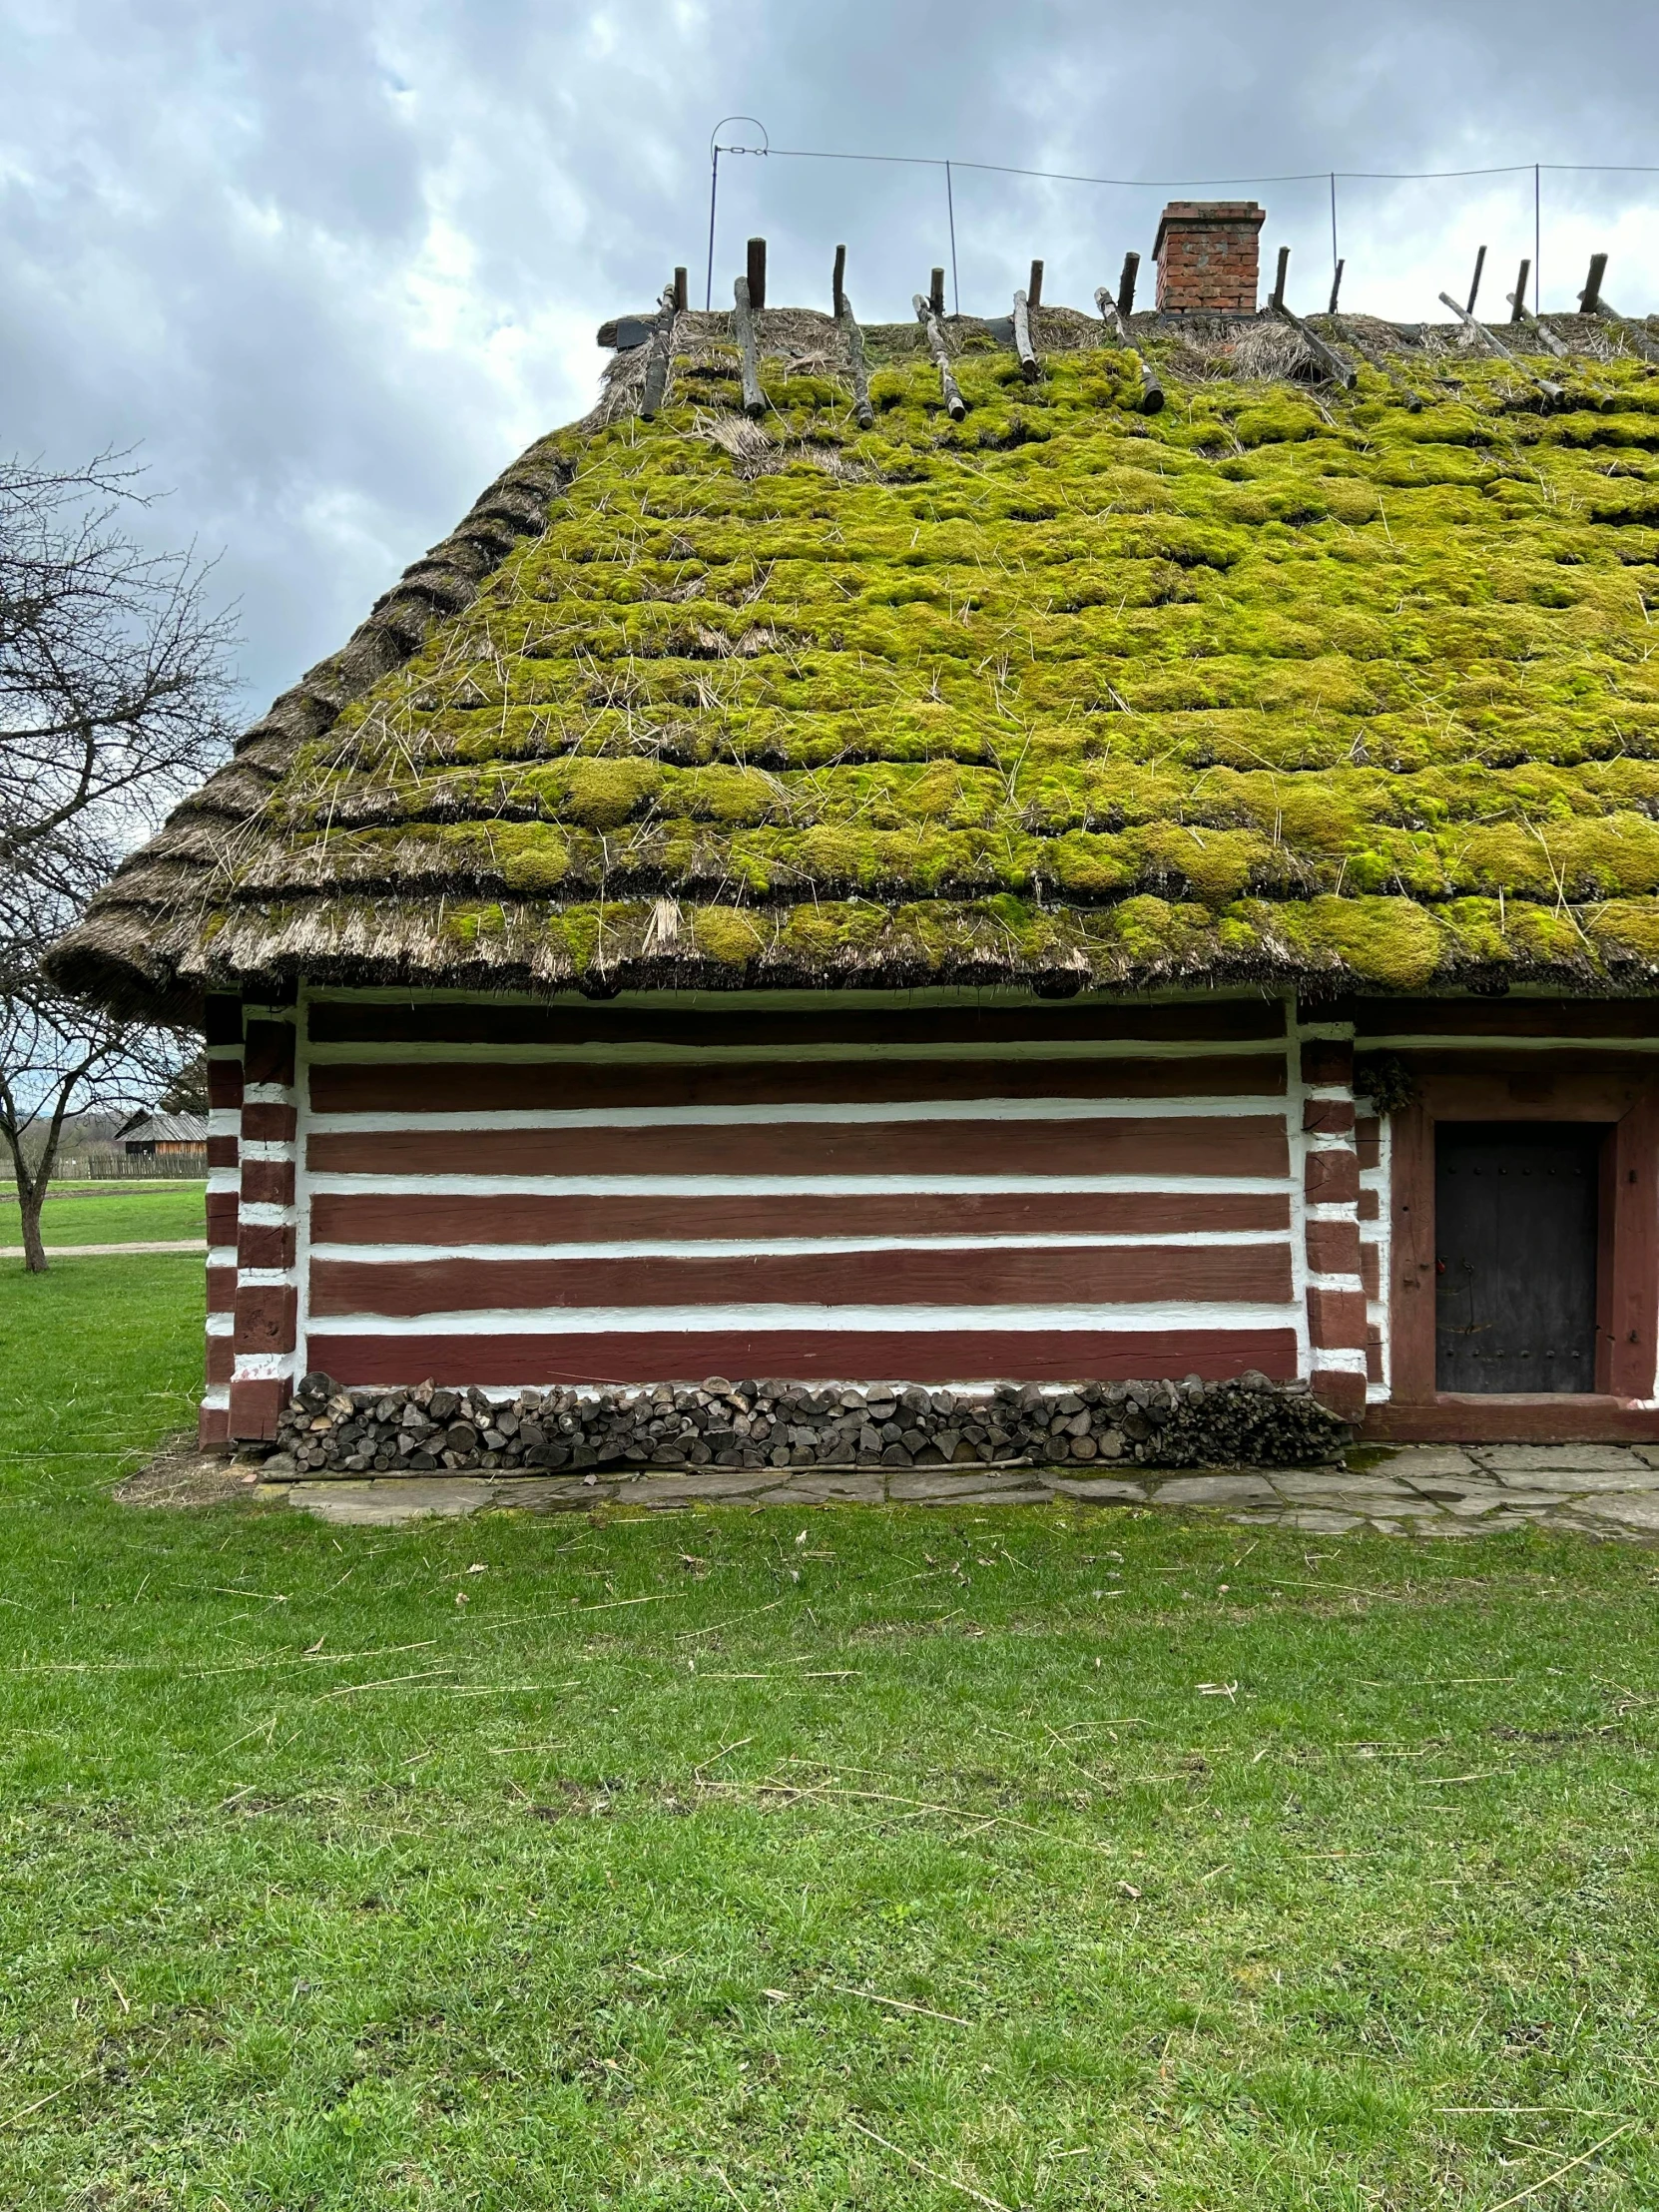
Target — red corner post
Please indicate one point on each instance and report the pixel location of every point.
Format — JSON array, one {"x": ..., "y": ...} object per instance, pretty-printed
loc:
[
  {"x": 266, "y": 1332},
  {"x": 1336, "y": 1293}
]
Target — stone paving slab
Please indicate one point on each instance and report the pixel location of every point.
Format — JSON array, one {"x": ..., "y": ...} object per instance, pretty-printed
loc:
[
  {"x": 1554, "y": 1458},
  {"x": 1417, "y": 1462},
  {"x": 1633, "y": 1476},
  {"x": 1099, "y": 1493},
  {"x": 1214, "y": 1490},
  {"x": 1630, "y": 1511},
  {"x": 1422, "y": 1491}
]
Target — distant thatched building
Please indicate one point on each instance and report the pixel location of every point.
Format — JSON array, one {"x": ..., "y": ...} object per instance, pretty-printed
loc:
[
  {"x": 845, "y": 866},
  {"x": 164, "y": 1137}
]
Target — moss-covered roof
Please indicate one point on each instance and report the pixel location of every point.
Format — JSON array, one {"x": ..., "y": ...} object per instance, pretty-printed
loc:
[{"x": 1283, "y": 684}]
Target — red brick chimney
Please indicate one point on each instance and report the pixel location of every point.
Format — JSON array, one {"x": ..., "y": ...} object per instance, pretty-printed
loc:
[{"x": 1206, "y": 253}]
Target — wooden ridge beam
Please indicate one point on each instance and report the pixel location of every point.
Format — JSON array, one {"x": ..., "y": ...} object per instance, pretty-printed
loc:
[
  {"x": 1553, "y": 394},
  {"x": 1152, "y": 392},
  {"x": 743, "y": 317},
  {"x": 927, "y": 315},
  {"x": 854, "y": 339}
]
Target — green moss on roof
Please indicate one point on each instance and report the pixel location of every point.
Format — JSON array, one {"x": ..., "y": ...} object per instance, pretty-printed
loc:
[{"x": 1276, "y": 685}]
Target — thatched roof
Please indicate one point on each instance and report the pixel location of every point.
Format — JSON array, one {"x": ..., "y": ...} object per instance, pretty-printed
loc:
[{"x": 1286, "y": 683}]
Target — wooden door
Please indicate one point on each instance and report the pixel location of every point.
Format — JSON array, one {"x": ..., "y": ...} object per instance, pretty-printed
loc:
[{"x": 1515, "y": 1212}]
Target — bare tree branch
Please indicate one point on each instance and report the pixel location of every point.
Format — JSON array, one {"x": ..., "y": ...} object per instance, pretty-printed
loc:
[{"x": 114, "y": 698}]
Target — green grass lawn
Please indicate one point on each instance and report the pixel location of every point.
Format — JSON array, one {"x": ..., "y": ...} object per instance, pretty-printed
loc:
[
  {"x": 114, "y": 1215},
  {"x": 851, "y": 1859}
]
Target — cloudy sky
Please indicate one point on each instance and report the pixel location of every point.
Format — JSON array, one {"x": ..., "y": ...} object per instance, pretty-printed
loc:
[{"x": 330, "y": 265}]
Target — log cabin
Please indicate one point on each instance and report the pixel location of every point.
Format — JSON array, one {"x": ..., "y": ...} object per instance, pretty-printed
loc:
[{"x": 1040, "y": 847}]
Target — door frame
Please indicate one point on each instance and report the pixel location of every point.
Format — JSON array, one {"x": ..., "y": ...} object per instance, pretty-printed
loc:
[{"x": 1620, "y": 1089}]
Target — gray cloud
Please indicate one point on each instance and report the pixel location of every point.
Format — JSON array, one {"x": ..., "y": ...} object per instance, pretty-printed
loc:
[{"x": 332, "y": 268}]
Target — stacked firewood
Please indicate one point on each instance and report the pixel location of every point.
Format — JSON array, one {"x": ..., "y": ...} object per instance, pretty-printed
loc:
[{"x": 327, "y": 1431}]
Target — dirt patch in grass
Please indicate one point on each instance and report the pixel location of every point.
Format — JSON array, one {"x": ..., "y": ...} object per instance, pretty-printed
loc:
[{"x": 183, "y": 1474}]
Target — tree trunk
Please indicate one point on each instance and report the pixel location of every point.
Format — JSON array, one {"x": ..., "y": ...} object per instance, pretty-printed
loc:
[{"x": 29, "y": 1198}]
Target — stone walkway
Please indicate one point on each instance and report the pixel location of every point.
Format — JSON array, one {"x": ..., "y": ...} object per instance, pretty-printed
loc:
[
  {"x": 1421, "y": 1490},
  {"x": 93, "y": 1251}
]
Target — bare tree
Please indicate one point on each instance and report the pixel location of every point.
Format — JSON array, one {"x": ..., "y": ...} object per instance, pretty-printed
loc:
[
  {"x": 56, "y": 1058},
  {"x": 114, "y": 693}
]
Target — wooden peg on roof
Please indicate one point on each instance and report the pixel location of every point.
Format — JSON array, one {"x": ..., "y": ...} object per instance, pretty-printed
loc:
[
  {"x": 935, "y": 291},
  {"x": 927, "y": 315},
  {"x": 659, "y": 346},
  {"x": 1034, "y": 286},
  {"x": 1592, "y": 302},
  {"x": 679, "y": 291},
  {"x": 1336, "y": 287},
  {"x": 1332, "y": 365},
  {"x": 1126, "y": 288},
  {"x": 742, "y": 316},
  {"x": 1029, "y": 365},
  {"x": 1522, "y": 314},
  {"x": 1275, "y": 299},
  {"x": 854, "y": 339},
  {"x": 1553, "y": 393},
  {"x": 755, "y": 273},
  {"x": 1152, "y": 392},
  {"x": 1474, "y": 282}
]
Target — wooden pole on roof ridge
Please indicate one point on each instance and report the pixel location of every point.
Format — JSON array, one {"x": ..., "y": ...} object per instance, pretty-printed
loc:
[
  {"x": 864, "y": 412},
  {"x": 755, "y": 273},
  {"x": 679, "y": 291},
  {"x": 1519, "y": 313},
  {"x": 1336, "y": 367},
  {"x": 1126, "y": 286},
  {"x": 1336, "y": 287},
  {"x": 659, "y": 347},
  {"x": 1553, "y": 394},
  {"x": 1029, "y": 365},
  {"x": 1152, "y": 392},
  {"x": 754, "y": 400},
  {"x": 935, "y": 291},
  {"x": 1474, "y": 282},
  {"x": 1591, "y": 303},
  {"x": 1275, "y": 299},
  {"x": 927, "y": 315},
  {"x": 1034, "y": 286}
]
